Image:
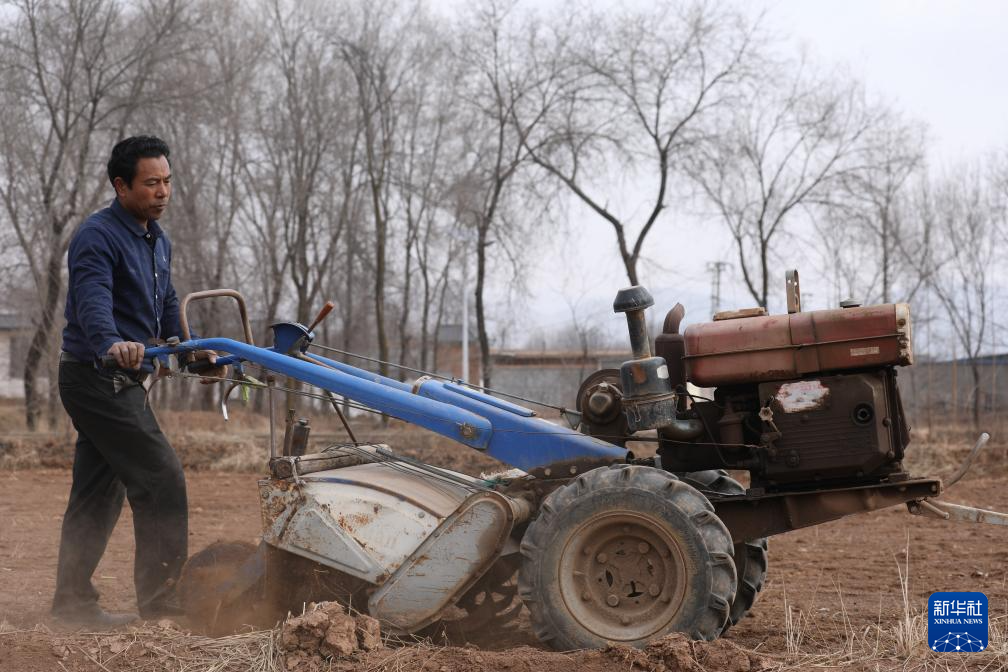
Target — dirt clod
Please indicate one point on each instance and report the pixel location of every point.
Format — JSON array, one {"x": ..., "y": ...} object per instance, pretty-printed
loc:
[
  {"x": 326, "y": 631},
  {"x": 677, "y": 653},
  {"x": 722, "y": 654},
  {"x": 340, "y": 638},
  {"x": 368, "y": 633}
]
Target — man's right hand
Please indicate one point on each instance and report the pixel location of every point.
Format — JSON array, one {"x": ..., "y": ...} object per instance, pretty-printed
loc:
[{"x": 128, "y": 355}]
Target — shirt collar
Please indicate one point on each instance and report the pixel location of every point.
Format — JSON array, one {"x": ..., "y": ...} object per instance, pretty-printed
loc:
[{"x": 131, "y": 224}]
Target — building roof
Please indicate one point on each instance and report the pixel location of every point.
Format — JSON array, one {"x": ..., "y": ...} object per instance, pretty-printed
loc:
[
  {"x": 557, "y": 357},
  {"x": 983, "y": 360}
]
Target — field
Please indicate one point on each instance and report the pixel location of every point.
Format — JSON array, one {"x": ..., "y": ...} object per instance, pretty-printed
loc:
[{"x": 846, "y": 595}]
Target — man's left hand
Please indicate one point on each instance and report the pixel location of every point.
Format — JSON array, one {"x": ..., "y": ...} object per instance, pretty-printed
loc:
[{"x": 210, "y": 376}]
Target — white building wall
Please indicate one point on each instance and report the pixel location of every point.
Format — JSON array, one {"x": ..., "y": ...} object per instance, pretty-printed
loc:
[{"x": 12, "y": 385}]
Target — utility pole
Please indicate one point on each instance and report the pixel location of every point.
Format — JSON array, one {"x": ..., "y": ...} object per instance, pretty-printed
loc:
[
  {"x": 715, "y": 268},
  {"x": 465, "y": 317},
  {"x": 955, "y": 384},
  {"x": 993, "y": 369}
]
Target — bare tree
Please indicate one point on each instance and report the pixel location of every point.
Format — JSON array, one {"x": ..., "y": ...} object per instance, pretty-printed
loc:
[
  {"x": 433, "y": 296},
  {"x": 783, "y": 147},
  {"x": 871, "y": 208},
  {"x": 210, "y": 127},
  {"x": 496, "y": 48},
  {"x": 963, "y": 212},
  {"x": 999, "y": 186},
  {"x": 299, "y": 160},
  {"x": 419, "y": 175},
  {"x": 308, "y": 131},
  {"x": 379, "y": 58},
  {"x": 635, "y": 91},
  {"x": 74, "y": 75}
]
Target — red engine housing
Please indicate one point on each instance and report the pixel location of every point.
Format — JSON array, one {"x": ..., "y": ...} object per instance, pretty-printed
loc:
[{"x": 767, "y": 348}]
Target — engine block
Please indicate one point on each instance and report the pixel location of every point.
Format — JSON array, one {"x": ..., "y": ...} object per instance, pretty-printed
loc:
[{"x": 848, "y": 427}]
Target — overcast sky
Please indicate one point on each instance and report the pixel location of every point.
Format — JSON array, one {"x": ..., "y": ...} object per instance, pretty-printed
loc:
[{"x": 939, "y": 61}]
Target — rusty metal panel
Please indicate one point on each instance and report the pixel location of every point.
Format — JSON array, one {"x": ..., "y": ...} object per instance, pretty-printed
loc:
[
  {"x": 780, "y": 347},
  {"x": 363, "y": 519},
  {"x": 451, "y": 559},
  {"x": 312, "y": 534},
  {"x": 871, "y": 336},
  {"x": 366, "y": 520},
  {"x": 278, "y": 500},
  {"x": 749, "y": 349}
]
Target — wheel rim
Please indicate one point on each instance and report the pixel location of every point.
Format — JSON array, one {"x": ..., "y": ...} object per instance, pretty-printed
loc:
[{"x": 623, "y": 576}]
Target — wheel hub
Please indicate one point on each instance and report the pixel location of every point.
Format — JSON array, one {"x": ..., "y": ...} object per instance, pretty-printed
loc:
[{"x": 623, "y": 576}]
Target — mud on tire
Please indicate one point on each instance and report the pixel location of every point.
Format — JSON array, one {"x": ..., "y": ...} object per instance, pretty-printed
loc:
[
  {"x": 750, "y": 556},
  {"x": 626, "y": 554}
]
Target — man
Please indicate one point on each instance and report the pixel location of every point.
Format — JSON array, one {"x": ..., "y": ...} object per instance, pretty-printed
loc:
[{"x": 120, "y": 296}]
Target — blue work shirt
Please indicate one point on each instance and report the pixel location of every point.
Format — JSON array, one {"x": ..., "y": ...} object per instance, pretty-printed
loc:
[{"x": 120, "y": 284}]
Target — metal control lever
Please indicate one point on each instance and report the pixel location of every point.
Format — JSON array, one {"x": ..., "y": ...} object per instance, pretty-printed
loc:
[
  {"x": 968, "y": 462},
  {"x": 958, "y": 512},
  {"x": 326, "y": 309}
]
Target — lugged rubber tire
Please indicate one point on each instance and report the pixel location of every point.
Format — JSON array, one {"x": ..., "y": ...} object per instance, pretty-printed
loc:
[
  {"x": 750, "y": 556},
  {"x": 626, "y": 554},
  {"x": 751, "y": 566},
  {"x": 491, "y": 603}
]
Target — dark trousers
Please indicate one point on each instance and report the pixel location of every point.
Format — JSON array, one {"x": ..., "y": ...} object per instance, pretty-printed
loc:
[{"x": 120, "y": 452}]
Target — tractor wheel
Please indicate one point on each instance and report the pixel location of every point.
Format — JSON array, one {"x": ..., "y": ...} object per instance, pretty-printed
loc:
[
  {"x": 493, "y": 601},
  {"x": 625, "y": 554},
  {"x": 489, "y": 605},
  {"x": 750, "y": 556}
]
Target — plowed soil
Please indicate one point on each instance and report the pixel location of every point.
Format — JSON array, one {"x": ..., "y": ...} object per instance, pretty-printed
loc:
[{"x": 838, "y": 584}]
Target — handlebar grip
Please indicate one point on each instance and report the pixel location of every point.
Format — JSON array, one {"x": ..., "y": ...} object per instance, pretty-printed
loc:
[
  {"x": 200, "y": 365},
  {"x": 109, "y": 363}
]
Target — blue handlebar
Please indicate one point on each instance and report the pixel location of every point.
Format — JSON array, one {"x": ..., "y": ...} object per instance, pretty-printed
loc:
[{"x": 507, "y": 432}]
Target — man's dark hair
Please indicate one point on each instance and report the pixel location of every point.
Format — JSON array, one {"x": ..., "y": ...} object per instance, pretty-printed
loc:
[{"x": 126, "y": 153}]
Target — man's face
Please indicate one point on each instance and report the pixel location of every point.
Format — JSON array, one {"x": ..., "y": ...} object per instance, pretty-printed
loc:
[{"x": 147, "y": 198}]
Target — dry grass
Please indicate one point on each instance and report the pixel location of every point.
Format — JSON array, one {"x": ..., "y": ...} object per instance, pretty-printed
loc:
[
  {"x": 795, "y": 622},
  {"x": 157, "y": 648},
  {"x": 812, "y": 642},
  {"x": 940, "y": 451}
]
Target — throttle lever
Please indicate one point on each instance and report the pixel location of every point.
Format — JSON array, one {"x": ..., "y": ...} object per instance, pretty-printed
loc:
[{"x": 322, "y": 314}]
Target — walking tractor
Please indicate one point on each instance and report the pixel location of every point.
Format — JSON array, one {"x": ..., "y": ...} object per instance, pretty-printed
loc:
[{"x": 607, "y": 546}]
